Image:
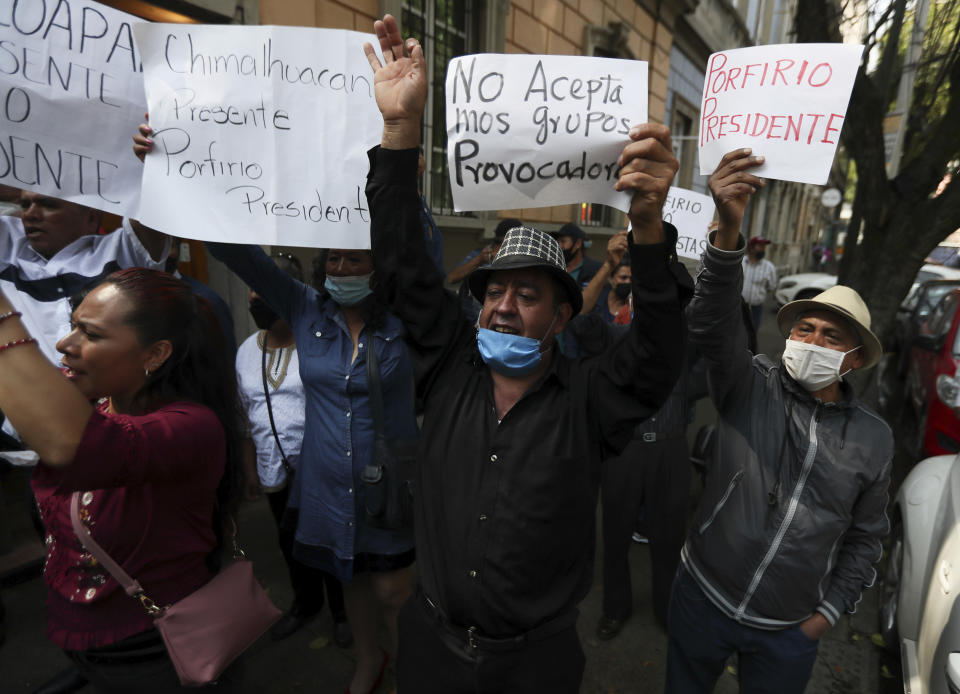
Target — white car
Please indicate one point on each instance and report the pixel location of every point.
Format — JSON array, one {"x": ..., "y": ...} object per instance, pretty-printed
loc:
[
  {"x": 806, "y": 285},
  {"x": 919, "y": 611}
]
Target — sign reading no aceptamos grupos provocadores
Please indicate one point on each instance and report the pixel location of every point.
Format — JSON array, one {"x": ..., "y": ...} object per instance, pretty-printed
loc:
[
  {"x": 260, "y": 134},
  {"x": 535, "y": 130},
  {"x": 786, "y": 102},
  {"x": 71, "y": 95}
]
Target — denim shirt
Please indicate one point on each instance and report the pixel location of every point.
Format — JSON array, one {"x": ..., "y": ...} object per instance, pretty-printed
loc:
[{"x": 338, "y": 432}]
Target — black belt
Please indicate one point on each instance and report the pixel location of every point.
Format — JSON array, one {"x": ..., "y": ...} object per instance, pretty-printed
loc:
[
  {"x": 472, "y": 639},
  {"x": 654, "y": 436}
]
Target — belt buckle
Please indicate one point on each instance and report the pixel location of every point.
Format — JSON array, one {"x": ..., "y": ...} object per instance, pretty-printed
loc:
[
  {"x": 649, "y": 436},
  {"x": 471, "y": 632}
]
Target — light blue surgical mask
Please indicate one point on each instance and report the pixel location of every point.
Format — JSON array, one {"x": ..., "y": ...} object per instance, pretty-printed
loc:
[
  {"x": 507, "y": 354},
  {"x": 348, "y": 291}
]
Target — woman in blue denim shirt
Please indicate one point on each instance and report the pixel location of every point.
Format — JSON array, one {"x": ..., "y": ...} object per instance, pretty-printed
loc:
[{"x": 333, "y": 329}]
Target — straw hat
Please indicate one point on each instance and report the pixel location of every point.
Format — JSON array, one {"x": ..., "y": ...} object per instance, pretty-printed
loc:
[
  {"x": 845, "y": 302},
  {"x": 525, "y": 247}
]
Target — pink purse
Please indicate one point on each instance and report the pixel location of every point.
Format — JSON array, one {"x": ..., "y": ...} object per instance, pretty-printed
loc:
[{"x": 208, "y": 629}]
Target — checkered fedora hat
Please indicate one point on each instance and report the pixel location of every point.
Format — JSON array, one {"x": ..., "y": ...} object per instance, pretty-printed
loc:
[{"x": 524, "y": 247}]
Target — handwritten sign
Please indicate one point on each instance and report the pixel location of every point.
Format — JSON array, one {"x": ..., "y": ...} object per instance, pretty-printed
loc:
[
  {"x": 787, "y": 102},
  {"x": 691, "y": 213},
  {"x": 535, "y": 130},
  {"x": 71, "y": 95},
  {"x": 260, "y": 134}
]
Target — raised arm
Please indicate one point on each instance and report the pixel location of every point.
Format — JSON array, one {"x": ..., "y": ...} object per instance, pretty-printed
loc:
[
  {"x": 405, "y": 276},
  {"x": 637, "y": 374},
  {"x": 460, "y": 272},
  {"x": 716, "y": 324},
  {"x": 616, "y": 248},
  {"x": 48, "y": 411}
]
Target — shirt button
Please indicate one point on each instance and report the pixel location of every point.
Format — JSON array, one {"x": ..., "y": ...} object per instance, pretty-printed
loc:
[
  {"x": 493, "y": 458},
  {"x": 360, "y": 346},
  {"x": 348, "y": 413},
  {"x": 473, "y": 573},
  {"x": 350, "y": 524},
  {"x": 350, "y": 490},
  {"x": 318, "y": 334},
  {"x": 483, "y": 517},
  {"x": 60, "y": 290},
  {"x": 349, "y": 453},
  {"x": 347, "y": 377}
]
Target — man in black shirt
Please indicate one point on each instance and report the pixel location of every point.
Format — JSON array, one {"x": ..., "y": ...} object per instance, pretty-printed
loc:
[{"x": 513, "y": 432}]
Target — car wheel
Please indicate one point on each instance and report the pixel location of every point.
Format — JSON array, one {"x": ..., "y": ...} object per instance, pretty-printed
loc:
[{"x": 890, "y": 590}]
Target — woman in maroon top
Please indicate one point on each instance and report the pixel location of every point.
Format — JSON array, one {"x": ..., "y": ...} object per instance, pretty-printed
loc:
[{"x": 156, "y": 462}]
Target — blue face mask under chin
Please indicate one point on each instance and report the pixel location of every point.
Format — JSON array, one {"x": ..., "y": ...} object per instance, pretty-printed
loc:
[
  {"x": 348, "y": 291},
  {"x": 507, "y": 354}
]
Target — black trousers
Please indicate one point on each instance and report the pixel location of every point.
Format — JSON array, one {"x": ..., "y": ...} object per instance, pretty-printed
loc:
[
  {"x": 431, "y": 660},
  {"x": 307, "y": 582},
  {"x": 140, "y": 664},
  {"x": 655, "y": 477}
]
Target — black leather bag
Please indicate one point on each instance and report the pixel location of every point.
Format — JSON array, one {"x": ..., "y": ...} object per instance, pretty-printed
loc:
[{"x": 388, "y": 477}]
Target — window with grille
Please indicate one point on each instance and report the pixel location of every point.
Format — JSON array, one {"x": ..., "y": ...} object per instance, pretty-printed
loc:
[{"x": 445, "y": 29}]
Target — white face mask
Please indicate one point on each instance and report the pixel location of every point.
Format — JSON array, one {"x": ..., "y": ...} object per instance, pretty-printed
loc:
[{"x": 812, "y": 366}]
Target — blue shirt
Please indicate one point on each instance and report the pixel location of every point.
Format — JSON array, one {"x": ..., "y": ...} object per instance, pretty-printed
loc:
[{"x": 338, "y": 429}]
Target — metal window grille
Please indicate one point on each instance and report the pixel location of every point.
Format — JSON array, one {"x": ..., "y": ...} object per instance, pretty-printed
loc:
[{"x": 443, "y": 27}]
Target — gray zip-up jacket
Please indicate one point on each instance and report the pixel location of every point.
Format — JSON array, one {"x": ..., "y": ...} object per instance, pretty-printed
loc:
[{"x": 794, "y": 508}]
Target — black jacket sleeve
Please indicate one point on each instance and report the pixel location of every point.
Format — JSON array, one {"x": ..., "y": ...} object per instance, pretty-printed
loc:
[
  {"x": 635, "y": 376},
  {"x": 405, "y": 277}
]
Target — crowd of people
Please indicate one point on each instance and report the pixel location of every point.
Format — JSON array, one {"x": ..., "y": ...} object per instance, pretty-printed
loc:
[{"x": 550, "y": 380}]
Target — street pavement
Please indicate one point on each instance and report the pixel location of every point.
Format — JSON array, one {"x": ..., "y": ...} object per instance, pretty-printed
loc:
[{"x": 632, "y": 663}]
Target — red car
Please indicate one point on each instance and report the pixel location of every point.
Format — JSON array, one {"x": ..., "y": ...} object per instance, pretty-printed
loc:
[{"x": 934, "y": 359}]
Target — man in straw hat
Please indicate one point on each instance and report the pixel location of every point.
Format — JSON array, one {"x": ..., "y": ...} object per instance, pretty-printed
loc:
[
  {"x": 513, "y": 431},
  {"x": 794, "y": 509}
]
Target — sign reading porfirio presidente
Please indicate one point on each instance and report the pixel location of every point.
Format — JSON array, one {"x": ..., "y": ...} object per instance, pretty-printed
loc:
[
  {"x": 691, "y": 213},
  {"x": 71, "y": 95},
  {"x": 260, "y": 134},
  {"x": 536, "y": 130},
  {"x": 786, "y": 102}
]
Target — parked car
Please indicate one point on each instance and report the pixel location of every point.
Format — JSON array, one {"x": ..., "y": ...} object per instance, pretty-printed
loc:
[
  {"x": 806, "y": 285},
  {"x": 934, "y": 357},
  {"x": 928, "y": 273},
  {"x": 911, "y": 315},
  {"x": 919, "y": 611}
]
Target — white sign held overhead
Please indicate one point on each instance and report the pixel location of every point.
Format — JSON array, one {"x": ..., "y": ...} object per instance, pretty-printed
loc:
[
  {"x": 787, "y": 102},
  {"x": 691, "y": 213},
  {"x": 71, "y": 95},
  {"x": 535, "y": 130},
  {"x": 260, "y": 134}
]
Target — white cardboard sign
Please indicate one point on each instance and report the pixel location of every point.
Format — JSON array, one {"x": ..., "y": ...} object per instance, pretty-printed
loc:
[
  {"x": 787, "y": 102},
  {"x": 537, "y": 130},
  {"x": 71, "y": 95},
  {"x": 691, "y": 213},
  {"x": 260, "y": 134}
]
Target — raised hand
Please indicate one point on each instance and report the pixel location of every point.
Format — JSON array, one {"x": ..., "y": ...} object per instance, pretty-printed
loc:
[
  {"x": 142, "y": 144},
  {"x": 731, "y": 185},
  {"x": 647, "y": 167},
  {"x": 399, "y": 84},
  {"x": 616, "y": 249}
]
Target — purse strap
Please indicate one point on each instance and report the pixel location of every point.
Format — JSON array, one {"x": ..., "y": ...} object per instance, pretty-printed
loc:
[
  {"x": 373, "y": 386},
  {"x": 288, "y": 468},
  {"x": 128, "y": 583}
]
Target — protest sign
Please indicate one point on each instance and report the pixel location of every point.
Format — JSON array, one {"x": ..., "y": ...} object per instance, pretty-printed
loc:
[
  {"x": 787, "y": 102},
  {"x": 260, "y": 134},
  {"x": 71, "y": 95},
  {"x": 691, "y": 213},
  {"x": 539, "y": 130}
]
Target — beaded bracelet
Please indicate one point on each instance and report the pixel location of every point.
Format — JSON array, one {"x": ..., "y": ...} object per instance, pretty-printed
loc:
[
  {"x": 17, "y": 343},
  {"x": 11, "y": 314}
]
